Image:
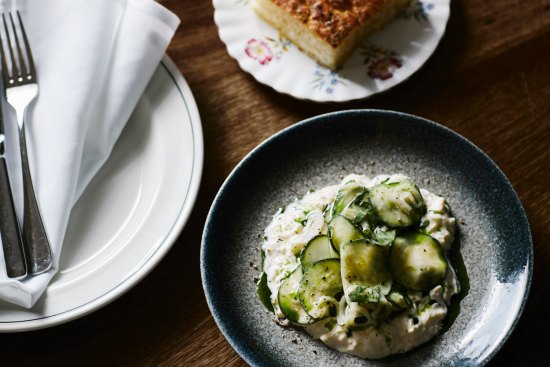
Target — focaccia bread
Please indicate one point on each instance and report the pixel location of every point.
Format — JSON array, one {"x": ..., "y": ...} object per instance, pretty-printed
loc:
[{"x": 327, "y": 30}]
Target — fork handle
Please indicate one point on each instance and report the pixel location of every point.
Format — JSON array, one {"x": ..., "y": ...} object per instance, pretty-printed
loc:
[
  {"x": 39, "y": 256},
  {"x": 9, "y": 228}
]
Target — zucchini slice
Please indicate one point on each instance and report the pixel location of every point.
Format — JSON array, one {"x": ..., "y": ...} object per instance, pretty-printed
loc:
[
  {"x": 398, "y": 204},
  {"x": 354, "y": 212},
  {"x": 289, "y": 302},
  {"x": 417, "y": 261},
  {"x": 348, "y": 202},
  {"x": 341, "y": 230},
  {"x": 347, "y": 195},
  {"x": 319, "y": 288},
  {"x": 318, "y": 248},
  {"x": 366, "y": 273}
]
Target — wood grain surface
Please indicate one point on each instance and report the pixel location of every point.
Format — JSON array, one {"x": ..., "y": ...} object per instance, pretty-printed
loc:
[{"x": 489, "y": 81}]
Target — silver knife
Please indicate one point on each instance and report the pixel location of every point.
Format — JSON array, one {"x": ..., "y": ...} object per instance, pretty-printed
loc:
[{"x": 10, "y": 233}]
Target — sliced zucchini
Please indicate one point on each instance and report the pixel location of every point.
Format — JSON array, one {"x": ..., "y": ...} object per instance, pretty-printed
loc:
[
  {"x": 355, "y": 212},
  {"x": 318, "y": 248},
  {"x": 341, "y": 230},
  {"x": 417, "y": 261},
  {"x": 398, "y": 204},
  {"x": 289, "y": 301},
  {"x": 349, "y": 200},
  {"x": 319, "y": 288},
  {"x": 365, "y": 271},
  {"x": 347, "y": 195}
]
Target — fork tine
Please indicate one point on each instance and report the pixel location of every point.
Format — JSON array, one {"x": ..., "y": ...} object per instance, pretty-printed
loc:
[
  {"x": 22, "y": 66},
  {"x": 14, "y": 68},
  {"x": 30, "y": 60},
  {"x": 5, "y": 72}
]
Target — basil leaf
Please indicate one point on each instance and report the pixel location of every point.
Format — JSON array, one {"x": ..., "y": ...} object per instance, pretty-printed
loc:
[
  {"x": 383, "y": 238},
  {"x": 364, "y": 294},
  {"x": 264, "y": 293}
]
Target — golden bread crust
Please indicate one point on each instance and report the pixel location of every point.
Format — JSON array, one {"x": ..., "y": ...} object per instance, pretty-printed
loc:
[{"x": 332, "y": 20}]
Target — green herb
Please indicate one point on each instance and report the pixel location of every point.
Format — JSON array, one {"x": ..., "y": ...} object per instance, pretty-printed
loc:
[
  {"x": 383, "y": 238},
  {"x": 302, "y": 221},
  {"x": 365, "y": 294},
  {"x": 264, "y": 293}
]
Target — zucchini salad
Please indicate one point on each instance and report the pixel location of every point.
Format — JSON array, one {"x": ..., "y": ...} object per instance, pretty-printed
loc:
[{"x": 362, "y": 265}]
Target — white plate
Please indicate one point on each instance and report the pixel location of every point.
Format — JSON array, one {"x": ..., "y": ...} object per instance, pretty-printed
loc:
[
  {"x": 133, "y": 210},
  {"x": 382, "y": 61}
]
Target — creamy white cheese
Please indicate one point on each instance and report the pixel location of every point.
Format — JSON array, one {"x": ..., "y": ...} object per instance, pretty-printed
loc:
[
  {"x": 297, "y": 223},
  {"x": 440, "y": 225},
  {"x": 397, "y": 335}
]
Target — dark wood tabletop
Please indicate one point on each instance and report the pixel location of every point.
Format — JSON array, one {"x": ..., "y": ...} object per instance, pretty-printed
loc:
[{"x": 489, "y": 81}]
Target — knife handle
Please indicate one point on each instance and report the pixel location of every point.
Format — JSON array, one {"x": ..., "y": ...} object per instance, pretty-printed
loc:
[
  {"x": 12, "y": 243},
  {"x": 35, "y": 239}
]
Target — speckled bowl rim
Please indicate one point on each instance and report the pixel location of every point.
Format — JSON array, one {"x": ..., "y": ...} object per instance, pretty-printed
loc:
[{"x": 242, "y": 349}]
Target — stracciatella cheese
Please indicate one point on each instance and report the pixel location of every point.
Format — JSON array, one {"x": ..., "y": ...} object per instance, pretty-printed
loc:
[{"x": 295, "y": 225}]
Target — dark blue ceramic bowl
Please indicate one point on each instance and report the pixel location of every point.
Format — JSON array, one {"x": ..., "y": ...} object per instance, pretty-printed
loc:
[{"x": 493, "y": 232}]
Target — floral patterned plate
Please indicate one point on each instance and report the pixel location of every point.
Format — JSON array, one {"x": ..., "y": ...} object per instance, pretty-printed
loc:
[{"x": 382, "y": 61}]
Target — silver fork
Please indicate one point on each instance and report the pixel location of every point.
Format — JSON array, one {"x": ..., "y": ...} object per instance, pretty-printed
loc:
[{"x": 21, "y": 89}]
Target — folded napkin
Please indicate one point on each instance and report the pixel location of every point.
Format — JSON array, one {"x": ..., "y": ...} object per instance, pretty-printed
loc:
[{"x": 94, "y": 60}]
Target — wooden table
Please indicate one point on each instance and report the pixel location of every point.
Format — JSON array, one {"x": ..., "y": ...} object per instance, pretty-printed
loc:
[{"x": 489, "y": 81}]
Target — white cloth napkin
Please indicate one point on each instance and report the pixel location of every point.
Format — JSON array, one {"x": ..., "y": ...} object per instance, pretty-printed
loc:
[{"x": 94, "y": 60}]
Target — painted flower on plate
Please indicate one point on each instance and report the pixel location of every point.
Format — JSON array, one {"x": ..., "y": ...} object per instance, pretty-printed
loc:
[
  {"x": 418, "y": 10},
  {"x": 259, "y": 50},
  {"x": 326, "y": 80},
  {"x": 383, "y": 69},
  {"x": 381, "y": 62}
]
